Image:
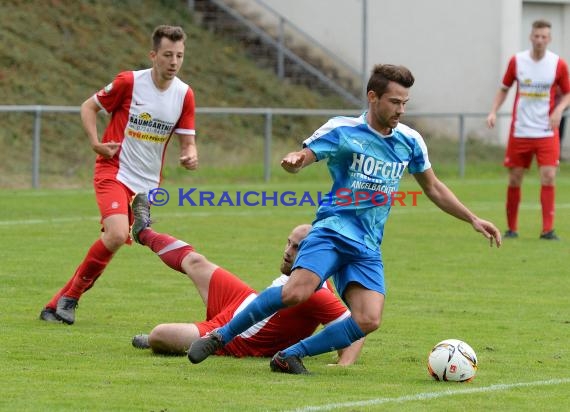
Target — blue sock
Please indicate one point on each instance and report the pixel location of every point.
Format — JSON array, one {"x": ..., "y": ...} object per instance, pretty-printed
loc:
[
  {"x": 265, "y": 304},
  {"x": 333, "y": 337}
]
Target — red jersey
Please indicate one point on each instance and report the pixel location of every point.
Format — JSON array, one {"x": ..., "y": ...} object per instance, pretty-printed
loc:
[
  {"x": 228, "y": 295},
  {"x": 143, "y": 120}
]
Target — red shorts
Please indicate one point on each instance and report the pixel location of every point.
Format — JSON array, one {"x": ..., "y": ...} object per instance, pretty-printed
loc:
[
  {"x": 225, "y": 293},
  {"x": 113, "y": 198},
  {"x": 520, "y": 151}
]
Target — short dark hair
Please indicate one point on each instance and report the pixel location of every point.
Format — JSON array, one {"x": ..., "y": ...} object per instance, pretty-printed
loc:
[
  {"x": 382, "y": 74},
  {"x": 172, "y": 33},
  {"x": 541, "y": 24}
]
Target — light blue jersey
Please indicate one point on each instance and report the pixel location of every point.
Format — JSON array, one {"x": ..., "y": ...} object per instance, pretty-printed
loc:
[{"x": 366, "y": 168}]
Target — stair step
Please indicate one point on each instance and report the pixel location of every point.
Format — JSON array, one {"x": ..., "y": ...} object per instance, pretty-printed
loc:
[{"x": 216, "y": 20}]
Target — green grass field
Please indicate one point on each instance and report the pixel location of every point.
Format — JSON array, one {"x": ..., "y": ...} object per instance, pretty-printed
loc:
[{"x": 510, "y": 304}]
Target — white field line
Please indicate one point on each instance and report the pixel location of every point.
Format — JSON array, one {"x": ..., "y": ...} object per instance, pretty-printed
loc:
[
  {"x": 432, "y": 395},
  {"x": 252, "y": 211}
]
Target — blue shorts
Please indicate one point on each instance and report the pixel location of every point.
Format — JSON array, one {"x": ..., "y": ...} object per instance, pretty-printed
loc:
[{"x": 329, "y": 254}]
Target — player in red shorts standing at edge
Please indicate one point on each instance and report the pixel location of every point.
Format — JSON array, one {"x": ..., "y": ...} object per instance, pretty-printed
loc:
[
  {"x": 147, "y": 107},
  {"x": 534, "y": 128}
]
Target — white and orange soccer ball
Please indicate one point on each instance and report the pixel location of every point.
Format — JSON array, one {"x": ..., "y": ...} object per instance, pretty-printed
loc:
[{"x": 452, "y": 360}]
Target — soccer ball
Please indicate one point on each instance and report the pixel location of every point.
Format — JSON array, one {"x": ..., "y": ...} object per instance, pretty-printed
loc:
[{"x": 452, "y": 360}]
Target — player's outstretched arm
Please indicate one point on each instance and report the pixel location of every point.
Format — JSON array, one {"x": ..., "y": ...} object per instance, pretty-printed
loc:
[
  {"x": 446, "y": 200},
  {"x": 295, "y": 161}
]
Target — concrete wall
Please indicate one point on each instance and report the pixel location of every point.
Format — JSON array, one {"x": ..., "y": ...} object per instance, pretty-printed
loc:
[{"x": 457, "y": 49}]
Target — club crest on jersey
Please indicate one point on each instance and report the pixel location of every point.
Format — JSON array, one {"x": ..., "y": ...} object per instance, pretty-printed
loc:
[{"x": 145, "y": 116}]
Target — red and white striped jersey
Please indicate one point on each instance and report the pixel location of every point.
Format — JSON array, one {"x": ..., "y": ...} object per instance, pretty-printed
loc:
[
  {"x": 537, "y": 83},
  {"x": 143, "y": 119}
]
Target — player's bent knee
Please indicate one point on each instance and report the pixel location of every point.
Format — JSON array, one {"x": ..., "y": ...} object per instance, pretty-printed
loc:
[
  {"x": 367, "y": 324},
  {"x": 194, "y": 260},
  {"x": 115, "y": 239},
  {"x": 369, "y": 328},
  {"x": 295, "y": 296}
]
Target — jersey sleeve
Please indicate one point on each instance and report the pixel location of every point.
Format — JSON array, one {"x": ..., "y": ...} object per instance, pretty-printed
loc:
[
  {"x": 419, "y": 162},
  {"x": 324, "y": 142},
  {"x": 511, "y": 73},
  {"x": 186, "y": 123},
  {"x": 562, "y": 75},
  {"x": 112, "y": 96}
]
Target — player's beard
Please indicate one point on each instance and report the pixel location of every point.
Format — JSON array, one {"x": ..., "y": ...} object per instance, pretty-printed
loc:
[{"x": 285, "y": 267}]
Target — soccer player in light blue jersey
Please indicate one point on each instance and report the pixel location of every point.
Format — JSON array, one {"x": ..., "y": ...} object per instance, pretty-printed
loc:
[{"x": 366, "y": 157}]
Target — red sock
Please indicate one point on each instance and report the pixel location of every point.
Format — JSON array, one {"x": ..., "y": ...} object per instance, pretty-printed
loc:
[
  {"x": 547, "y": 203},
  {"x": 97, "y": 259},
  {"x": 52, "y": 304},
  {"x": 97, "y": 250},
  {"x": 513, "y": 201},
  {"x": 168, "y": 248}
]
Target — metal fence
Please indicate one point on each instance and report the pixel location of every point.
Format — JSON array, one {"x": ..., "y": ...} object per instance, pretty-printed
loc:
[{"x": 268, "y": 115}]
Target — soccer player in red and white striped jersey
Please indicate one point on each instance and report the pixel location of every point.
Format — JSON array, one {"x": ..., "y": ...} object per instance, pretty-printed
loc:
[
  {"x": 146, "y": 107},
  {"x": 539, "y": 73}
]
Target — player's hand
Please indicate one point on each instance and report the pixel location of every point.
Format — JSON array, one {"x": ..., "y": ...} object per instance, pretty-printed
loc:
[
  {"x": 491, "y": 120},
  {"x": 489, "y": 230},
  {"x": 107, "y": 150},
  {"x": 555, "y": 119},
  {"x": 189, "y": 162},
  {"x": 293, "y": 162}
]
